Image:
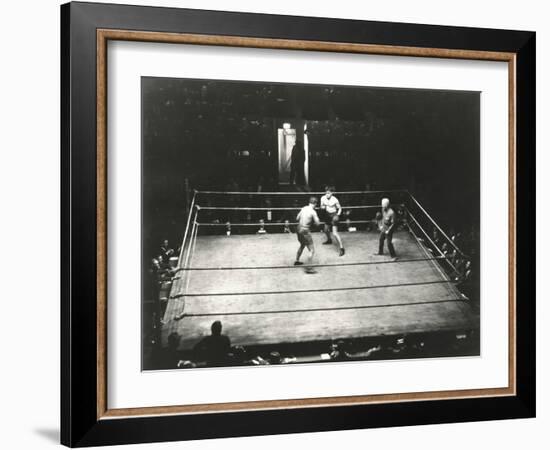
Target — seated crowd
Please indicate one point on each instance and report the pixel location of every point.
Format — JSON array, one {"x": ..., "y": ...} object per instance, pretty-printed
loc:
[
  {"x": 460, "y": 252},
  {"x": 163, "y": 264},
  {"x": 162, "y": 272},
  {"x": 215, "y": 350}
]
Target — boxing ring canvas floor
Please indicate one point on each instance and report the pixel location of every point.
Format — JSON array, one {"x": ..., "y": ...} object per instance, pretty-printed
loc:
[{"x": 273, "y": 319}]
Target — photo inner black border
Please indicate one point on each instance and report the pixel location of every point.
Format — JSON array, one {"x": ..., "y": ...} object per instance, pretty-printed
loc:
[{"x": 422, "y": 116}]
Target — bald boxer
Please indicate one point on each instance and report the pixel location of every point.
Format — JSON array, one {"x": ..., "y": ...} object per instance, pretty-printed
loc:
[
  {"x": 306, "y": 218},
  {"x": 386, "y": 225}
]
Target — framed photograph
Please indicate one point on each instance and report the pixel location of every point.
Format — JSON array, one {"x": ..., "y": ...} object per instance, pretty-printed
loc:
[{"x": 277, "y": 224}]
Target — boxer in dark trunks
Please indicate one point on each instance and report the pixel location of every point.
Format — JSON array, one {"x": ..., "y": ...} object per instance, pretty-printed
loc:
[
  {"x": 332, "y": 209},
  {"x": 306, "y": 218}
]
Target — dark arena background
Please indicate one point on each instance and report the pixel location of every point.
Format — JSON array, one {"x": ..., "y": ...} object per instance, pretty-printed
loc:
[{"x": 221, "y": 188}]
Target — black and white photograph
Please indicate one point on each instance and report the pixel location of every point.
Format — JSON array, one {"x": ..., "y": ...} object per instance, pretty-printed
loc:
[{"x": 304, "y": 223}]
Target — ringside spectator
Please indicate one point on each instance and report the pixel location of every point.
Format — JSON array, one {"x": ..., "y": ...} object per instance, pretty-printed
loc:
[
  {"x": 213, "y": 349},
  {"x": 166, "y": 251}
]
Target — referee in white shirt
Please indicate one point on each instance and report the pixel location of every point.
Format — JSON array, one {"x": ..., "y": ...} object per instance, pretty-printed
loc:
[{"x": 332, "y": 209}]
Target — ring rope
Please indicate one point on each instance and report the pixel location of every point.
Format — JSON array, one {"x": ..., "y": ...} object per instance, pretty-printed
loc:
[
  {"x": 361, "y": 263},
  {"x": 190, "y": 246},
  {"x": 189, "y": 258},
  {"x": 191, "y": 211},
  {"x": 186, "y": 248},
  {"x": 296, "y": 193},
  {"x": 436, "y": 225},
  {"x": 330, "y": 308},
  {"x": 298, "y": 291},
  {"x": 423, "y": 232},
  {"x": 274, "y": 208},
  {"x": 423, "y": 247},
  {"x": 432, "y": 242},
  {"x": 273, "y": 224}
]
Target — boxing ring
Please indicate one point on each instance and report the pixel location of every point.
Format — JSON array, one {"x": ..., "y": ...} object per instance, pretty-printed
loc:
[{"x": 228, "y": 271}]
